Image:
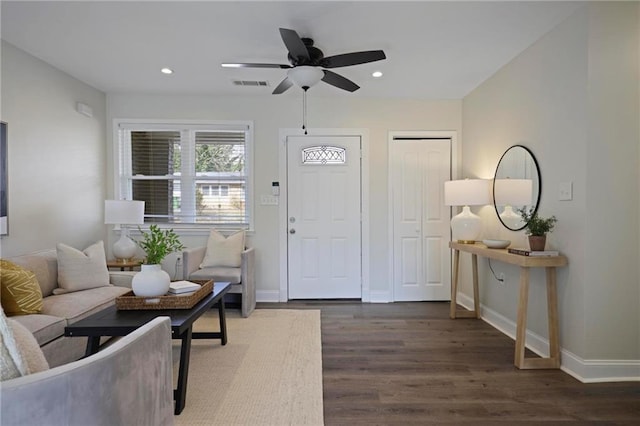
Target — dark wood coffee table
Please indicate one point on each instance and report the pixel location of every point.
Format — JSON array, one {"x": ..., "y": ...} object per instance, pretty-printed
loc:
[{"x": 114, "y": 322}]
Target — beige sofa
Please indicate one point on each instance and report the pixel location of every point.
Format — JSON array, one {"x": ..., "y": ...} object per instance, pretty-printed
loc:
[
  {"x": 128, "y": 383},
  {"x": 60, "y": 310}
]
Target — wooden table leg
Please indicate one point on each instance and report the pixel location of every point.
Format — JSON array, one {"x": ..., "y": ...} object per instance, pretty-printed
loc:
[
  {"x": 93, "y": 345},
  {"x": 454, "y": 312},
  {"x": 552, "y": 317},
  {"x": 180, "y": 394},
  {"x": 454, "y": 285},
  {"x": 521, "y": 327},
  {"x": 223, "y": 322},
  {"x": 553, "y": 361},
  {"x": 476, "y": 292}
]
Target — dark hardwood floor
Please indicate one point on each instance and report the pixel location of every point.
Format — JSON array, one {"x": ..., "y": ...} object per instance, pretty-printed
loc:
[{"x": 408, "y": 363}]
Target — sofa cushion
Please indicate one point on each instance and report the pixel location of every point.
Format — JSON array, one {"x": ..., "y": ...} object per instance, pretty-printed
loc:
[
  {"x": 81, "y": 270},
  {"x": 232, "y": 275},
  {"x": 45, "y": 265},
  {"x": 20, "y": 292},
  {"x": 79, "y": 304},
  {"x": 45, "y": 328},
  {"x": 223, "y": 252}
]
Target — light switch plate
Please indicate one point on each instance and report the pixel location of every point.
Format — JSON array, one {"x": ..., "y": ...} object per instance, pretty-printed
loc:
[
  {"x": 565, "y": 191},
  {"x": 269, "y": 200}
]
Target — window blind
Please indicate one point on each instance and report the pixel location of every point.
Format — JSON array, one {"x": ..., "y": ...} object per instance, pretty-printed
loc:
[{"x": 186, "y": 174}]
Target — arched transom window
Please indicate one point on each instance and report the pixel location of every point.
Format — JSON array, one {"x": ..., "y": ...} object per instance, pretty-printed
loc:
[{"x": 324, "y": 155}]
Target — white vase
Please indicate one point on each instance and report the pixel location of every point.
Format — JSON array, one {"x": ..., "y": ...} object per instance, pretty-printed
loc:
[{"x": 150, "y": 281}]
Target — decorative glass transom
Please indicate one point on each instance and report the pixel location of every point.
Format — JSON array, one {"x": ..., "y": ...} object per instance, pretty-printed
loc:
[{"x": 324, "y": 155}]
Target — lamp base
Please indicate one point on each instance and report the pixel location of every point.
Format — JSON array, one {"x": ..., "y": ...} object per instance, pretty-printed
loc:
[
  {"x": 124, "y": 249},
  {"x": 466, "y": 227}
]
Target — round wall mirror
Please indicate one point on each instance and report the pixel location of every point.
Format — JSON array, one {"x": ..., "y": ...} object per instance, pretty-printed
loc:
[{"x": 516, "y": 185}]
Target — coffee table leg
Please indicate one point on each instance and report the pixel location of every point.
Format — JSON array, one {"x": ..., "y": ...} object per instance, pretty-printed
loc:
[
  {"x": 223, "y": 322},
  {"x": 93, "y": 344},
  {"x": 180, "y": 394}
]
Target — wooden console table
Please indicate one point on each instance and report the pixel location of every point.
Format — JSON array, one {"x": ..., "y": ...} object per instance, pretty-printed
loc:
[{"x": 525, "y": 263}]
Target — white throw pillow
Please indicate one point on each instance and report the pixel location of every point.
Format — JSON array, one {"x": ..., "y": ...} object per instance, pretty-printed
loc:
[
  {"x": 12, "y": 365},
  {"x": 20, "y": 354},
  {"x": 223, "y": 252},
  {"x": 81, "y": 270}
]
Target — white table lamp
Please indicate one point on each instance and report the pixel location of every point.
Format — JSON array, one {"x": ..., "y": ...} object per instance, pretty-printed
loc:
[
  {"x": 509, "y": 193},
  {"x": 123, "y": 213},
  {"x": 466, "y": 227}
]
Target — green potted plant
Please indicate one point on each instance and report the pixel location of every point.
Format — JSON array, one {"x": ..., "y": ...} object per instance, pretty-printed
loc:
[
  {"x": 537, "y": 227},
  {"x": 157, "y": 244}
]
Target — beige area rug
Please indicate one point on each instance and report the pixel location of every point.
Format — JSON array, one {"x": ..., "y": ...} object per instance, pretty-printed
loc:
[{"x": 268, "y": 373}]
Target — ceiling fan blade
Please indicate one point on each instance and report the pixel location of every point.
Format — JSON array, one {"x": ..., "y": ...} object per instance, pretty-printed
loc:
[
  {"x": 236, "y": 65},
  {"x": 339, "y": 81},
  {"x": 354, "y": 58},
  {"x": 283, "y": 86},
  {"x": 294, "y": 44}
]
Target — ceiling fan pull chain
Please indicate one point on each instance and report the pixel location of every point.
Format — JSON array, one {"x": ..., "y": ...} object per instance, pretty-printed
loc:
[{"x": 304, "y": 110}]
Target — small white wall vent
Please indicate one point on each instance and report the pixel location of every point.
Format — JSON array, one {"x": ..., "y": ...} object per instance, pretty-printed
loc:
[
  {"x": 254, "y": 83},
  {"x": 84, "y": 109}
]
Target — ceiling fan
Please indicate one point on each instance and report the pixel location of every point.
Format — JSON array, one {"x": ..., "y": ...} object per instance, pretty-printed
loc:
[{"x": 307, "y": 63}]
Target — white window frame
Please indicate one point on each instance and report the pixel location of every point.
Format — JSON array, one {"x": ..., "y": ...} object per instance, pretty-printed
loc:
[{"x": 122, "y": 162}]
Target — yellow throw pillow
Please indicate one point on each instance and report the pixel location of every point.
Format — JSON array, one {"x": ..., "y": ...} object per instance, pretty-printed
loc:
[{"x": 20, "y": 292}]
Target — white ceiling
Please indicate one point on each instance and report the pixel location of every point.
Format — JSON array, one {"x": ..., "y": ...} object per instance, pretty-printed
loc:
[{"x": 435, "y": 50}]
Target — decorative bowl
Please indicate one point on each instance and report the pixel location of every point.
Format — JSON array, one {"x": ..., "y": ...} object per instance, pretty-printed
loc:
[{"x": 496, "y": 244}]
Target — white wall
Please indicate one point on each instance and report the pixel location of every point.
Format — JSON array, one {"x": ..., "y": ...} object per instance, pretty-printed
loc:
[
  {"x": 573, "y": 99},
  {"x": 56, "y": 156},
  {"x": 272, "y": 113}
]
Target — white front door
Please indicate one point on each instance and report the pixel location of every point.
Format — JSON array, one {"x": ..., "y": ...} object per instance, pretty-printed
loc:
[
  {"x": 323, "y": 217},
  {"x": 421, "y": 255}
]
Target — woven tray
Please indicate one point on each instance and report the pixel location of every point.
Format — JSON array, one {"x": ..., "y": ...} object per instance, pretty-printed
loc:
[{"x": 129, "y": 301}]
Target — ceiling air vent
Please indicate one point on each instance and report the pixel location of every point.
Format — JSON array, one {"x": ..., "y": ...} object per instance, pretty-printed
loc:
[{"x": 254, "y": 83}]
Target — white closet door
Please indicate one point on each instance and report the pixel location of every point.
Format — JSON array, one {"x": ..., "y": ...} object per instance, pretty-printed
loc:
[{"x": 421, "y": 256}]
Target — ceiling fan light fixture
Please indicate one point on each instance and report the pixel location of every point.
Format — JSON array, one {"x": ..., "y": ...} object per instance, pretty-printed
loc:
[{"x": 305, "y": 76}]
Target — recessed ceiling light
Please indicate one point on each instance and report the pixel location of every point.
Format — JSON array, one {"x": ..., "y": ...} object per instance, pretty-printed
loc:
[
  {"x": 231, "y": 65},
  {"x": 166, "y": 71},
  {"x": 377, "y": 74}
]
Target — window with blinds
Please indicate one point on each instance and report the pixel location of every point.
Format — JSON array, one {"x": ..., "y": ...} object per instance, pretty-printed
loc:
[{"x": 193, "y": 174}]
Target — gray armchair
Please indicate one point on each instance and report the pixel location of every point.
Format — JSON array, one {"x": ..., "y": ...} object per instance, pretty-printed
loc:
[
  {"x": 128, "y": 383},
  {"x": 242, "y": 279}
]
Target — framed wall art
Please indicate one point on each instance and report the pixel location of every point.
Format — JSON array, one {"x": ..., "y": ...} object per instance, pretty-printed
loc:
[{"x": 4, "y": 211}]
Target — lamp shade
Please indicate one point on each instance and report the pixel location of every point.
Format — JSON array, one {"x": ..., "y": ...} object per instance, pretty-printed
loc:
[
  {"x": 123, "y": 212},
  {"x": 512, "y": 192},
  {"x": 467, "y": 192},
  {"x": 305, "y": 75}
]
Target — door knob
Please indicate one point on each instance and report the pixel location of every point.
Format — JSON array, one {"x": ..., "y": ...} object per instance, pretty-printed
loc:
[{"x": 292, "y": 231}]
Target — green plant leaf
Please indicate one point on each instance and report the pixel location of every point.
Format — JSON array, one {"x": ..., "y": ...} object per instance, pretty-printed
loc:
[
  {"x": 158, "y": 243},
  {"x": 536, "y": 225}
]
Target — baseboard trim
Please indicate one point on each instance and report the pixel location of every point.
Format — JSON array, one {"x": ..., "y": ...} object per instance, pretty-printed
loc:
[{"x": 585, "y": 370}]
